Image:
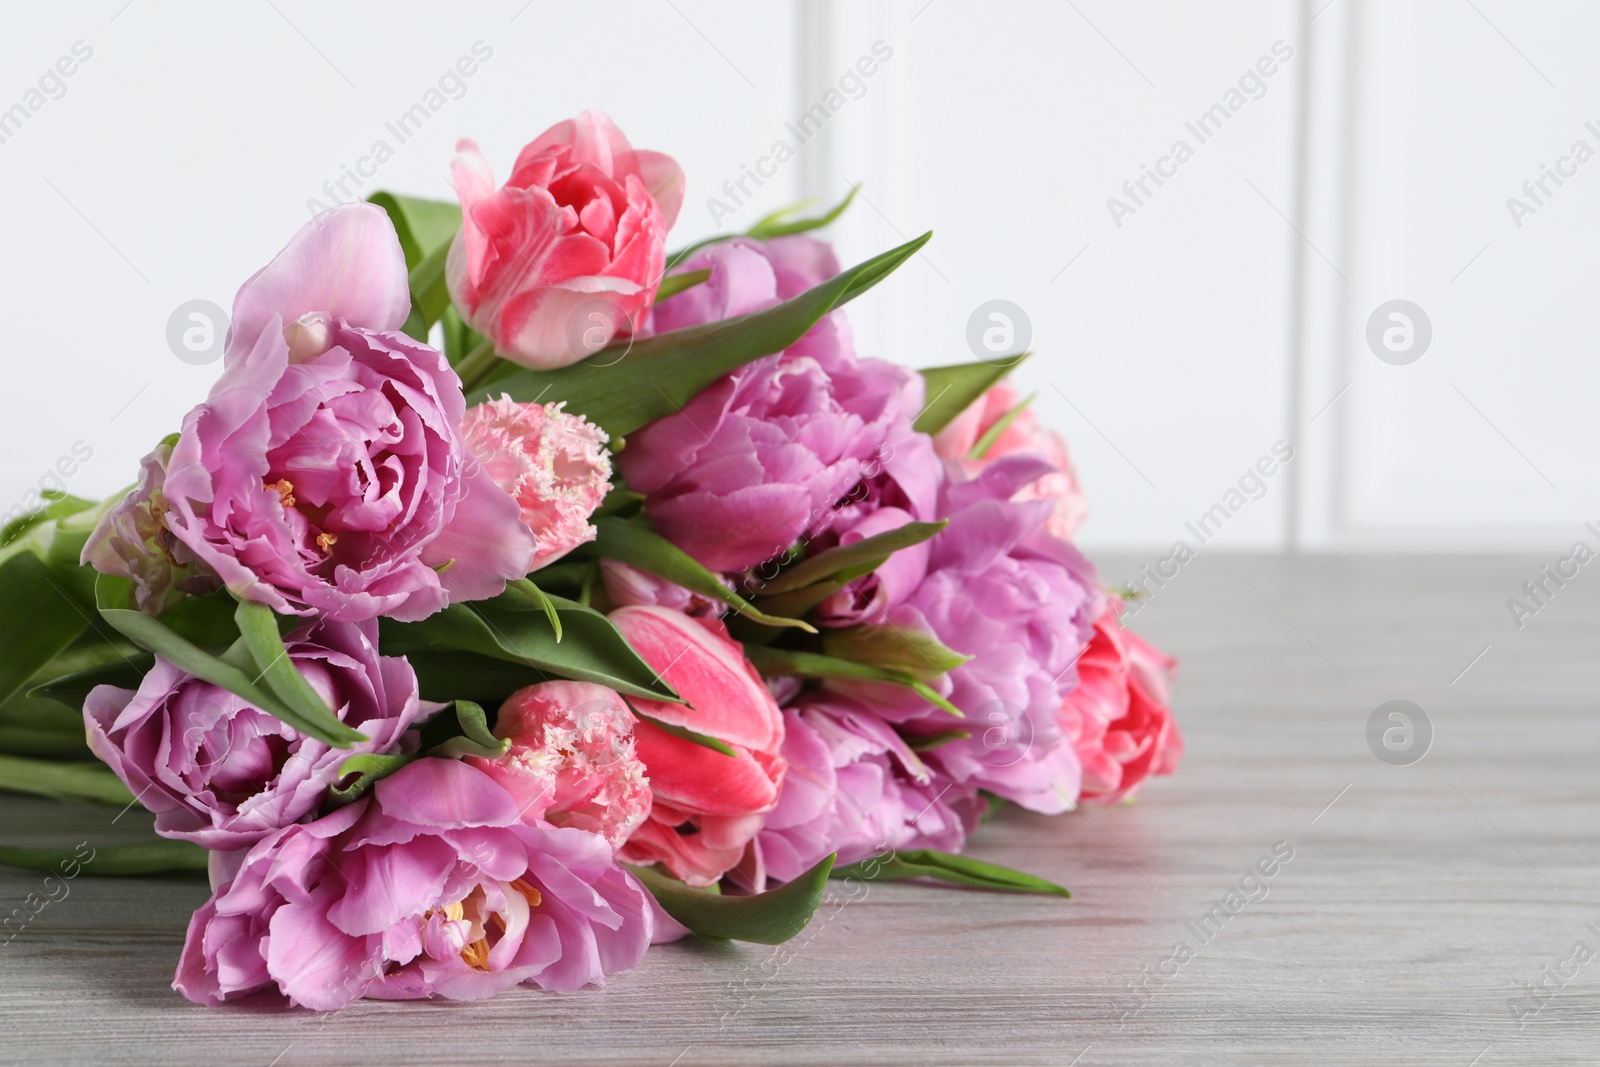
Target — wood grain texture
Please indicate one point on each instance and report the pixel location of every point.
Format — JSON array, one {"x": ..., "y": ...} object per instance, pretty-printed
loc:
[{"x": 1418, "y": 902}]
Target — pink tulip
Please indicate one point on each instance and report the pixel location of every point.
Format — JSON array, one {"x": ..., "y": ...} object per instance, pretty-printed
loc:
[
  {"x": 571, "y": 250},
  {"x": 1119, "y": 718},
  {"x": 956, "y": 441},
  {"x": 571, "y": 761},
  {"x": 708, "y": 806}
]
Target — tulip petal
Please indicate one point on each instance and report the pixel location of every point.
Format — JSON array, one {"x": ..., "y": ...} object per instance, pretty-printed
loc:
[{"x": 344, "y": 264}]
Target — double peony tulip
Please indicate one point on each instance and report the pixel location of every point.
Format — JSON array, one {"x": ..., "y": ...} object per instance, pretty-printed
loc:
[
  {"x": 571, "y": 251},
  {"x": 707, "y": 805},
  {"x": 433, "y": 886},
  {"x": 768, "y": 453},
  {"x": 221, "y": 773},
  {"x": 856, "y": 788},
  {"x": 325, "y": 474},
  {"x": 1022, "y": 605},
  {"x": 1119, "y": 718}
]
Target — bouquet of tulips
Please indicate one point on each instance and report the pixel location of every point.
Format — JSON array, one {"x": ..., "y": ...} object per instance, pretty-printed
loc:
[{"x": 448, "y": 690}]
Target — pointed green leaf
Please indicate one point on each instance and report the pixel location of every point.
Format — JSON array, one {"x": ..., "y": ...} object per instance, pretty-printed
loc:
[
  {"x": 636, "y": 381},
  {"x": 638, "y": 545},
  {"x": 594, "y": 650},
  {"x": 947, "y": 867},
  {"x": 951, "y": 389},
  {"x": 933, "y": 741},
  {"x": 152, "y": 634},
  {"x": 703, "y": 740},
  {"x": 869, "y": 553},
  {"x": 980, "y": 447},
  {"x": 475, "y": 738},
  {"x": 769, "y": 918},
  {"x": 772, "y": 225},
  {"x": 138, "y": 857},
  {"x": 258, "y": 627},
  {"x": 64, "y": 781},
  {"x": 787, "y": 661},
  {"x": 914, "y": 652},
  {"x": 673, "y": 284},
  {"x": 71, "y": 689},
  {"x": 536, "y": 597}
]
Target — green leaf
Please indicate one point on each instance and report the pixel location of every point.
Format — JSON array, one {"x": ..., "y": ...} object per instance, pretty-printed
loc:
[
  {"x": 152, "y": 634},
  {"x": 64, "y": 781},
  {"x": 475, "y": 738},
  {"x": 38, "y": 713},
  {"x": 946, "y": 867},
  {"x": 71, "y": 689},
  {"x": 594, "y": 650},
  {"x": 869, "y": 553},
  {"x": 44, "y": 743},
  {"x": 774, "y": 225},
  {"x": 445, "y": 675},
  {"x": 422, "y": 225},
  {"x": 138, "y": 857},
  {"x": 981, "y": 446},
  {"x": 703, "y": 740},
  {"x": 620, "y": 391},
  {"x": 673, "y": 284},
  {"x": 430, "y": 294},
  {"x": 789, "y": 661},
  {"x": 637, "y": 544},
  {"x": 539, "y": 599},
  {"x": 769, "y": 918},
  {"x": 951, "y": 389},
  {"x": 914, "y": 652},
  {"x": 933, "y": 741},
  {"x": 368, "y": 769},
  {"x": 258, "y": 628},
  {"x": 38, "y": 620}
]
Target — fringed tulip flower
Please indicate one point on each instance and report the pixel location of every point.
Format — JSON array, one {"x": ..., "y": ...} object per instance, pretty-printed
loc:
[
  {"x": 572, "y": 760},
  {"x": 570, "y": 251},
  {"x": 430, "y": 887},
  {"x": 219, "y": 772},
  {"x": 707, "y": 805},
  {"x": 554, "y": 465},
  {"x": 325, "y": 473},
  {"x": 1119, "y": 718}
]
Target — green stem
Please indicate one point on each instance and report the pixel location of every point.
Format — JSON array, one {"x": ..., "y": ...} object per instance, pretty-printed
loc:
[{"x": 477, "y": 365}]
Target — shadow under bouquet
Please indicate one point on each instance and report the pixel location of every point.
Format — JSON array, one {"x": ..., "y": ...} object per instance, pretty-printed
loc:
[{"x": 525, "y": 593}]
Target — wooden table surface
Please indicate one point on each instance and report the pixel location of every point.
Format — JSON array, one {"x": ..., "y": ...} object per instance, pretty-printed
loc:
[{"x": 1422, "y": 910}]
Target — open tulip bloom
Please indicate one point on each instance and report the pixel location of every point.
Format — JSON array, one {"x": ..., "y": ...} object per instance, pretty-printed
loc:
[{"x": 447, "y": 692}]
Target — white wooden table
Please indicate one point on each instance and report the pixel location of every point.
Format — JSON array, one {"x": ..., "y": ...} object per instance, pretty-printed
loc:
[{"x": 1419, "y": 904}]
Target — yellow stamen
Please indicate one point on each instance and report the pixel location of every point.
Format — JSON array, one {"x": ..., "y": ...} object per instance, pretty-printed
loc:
[
  {"x": 454, "y": 912},
  {"x": 326, "y": 541},
  {"x": 285, "y": 490},
  {"x": 476, "y": 955},
  {"x": 534, "y": 897}
]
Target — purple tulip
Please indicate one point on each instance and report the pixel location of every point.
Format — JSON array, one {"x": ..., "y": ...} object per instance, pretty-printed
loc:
[
  {"x": 1022, "y": 604},
  {"x": 768, "y": 453},
  {"x": 855, "y": 788},
  {"x": 325, "y": 472},
  {"x": 430, "y": 887},
  {"x": 222, "y": 773}
]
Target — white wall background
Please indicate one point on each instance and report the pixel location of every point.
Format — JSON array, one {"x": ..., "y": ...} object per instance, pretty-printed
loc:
[{"x": 1227, "y": 312}]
